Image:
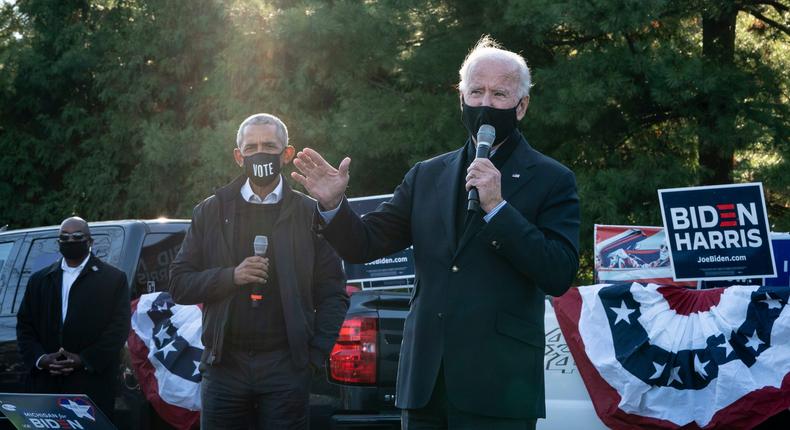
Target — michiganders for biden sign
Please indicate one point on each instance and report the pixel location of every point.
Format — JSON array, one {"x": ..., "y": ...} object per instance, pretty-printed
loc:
[{"x": 717, "y": 232}]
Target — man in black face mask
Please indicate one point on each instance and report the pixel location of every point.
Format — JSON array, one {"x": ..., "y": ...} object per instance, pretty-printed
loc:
[
  {"x": 472, "y": 351},
  {"x": 74, "y": 320},
  {"x": 269, "y": 321}
]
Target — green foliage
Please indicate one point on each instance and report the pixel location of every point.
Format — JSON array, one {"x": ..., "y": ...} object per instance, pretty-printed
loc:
[{"x": 129, "y": 108}]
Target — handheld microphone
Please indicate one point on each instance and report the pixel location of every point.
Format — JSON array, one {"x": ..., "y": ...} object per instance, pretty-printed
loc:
[
  {"x": 485, "y": 138},
  {"x": 259, "y": 246}
]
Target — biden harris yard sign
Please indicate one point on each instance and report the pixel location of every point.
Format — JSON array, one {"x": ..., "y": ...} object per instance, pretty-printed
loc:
[{"x": 717, "y": 232}]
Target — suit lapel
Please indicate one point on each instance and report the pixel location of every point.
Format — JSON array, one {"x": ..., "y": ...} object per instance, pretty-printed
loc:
[
  {"x": 56, "y": 290},
  {"x": 515, "y": 173},
  {"x": 517, "y": 170},
  {"x": 473, "y": 224},
  {"x": 447, "y": 186},
  {"x": 90, "y": 266}
]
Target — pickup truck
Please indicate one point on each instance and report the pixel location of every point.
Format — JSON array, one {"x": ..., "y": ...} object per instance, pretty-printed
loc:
[
  {"x": 364, "y": 364},
  {"x": 358, "y": 390}
]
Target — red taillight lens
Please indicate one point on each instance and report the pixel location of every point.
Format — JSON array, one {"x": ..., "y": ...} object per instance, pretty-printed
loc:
[{"x": 353, "y": 358}]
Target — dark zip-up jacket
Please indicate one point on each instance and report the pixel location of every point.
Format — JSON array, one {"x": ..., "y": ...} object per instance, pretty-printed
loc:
[{"x": 310, "y": 275}]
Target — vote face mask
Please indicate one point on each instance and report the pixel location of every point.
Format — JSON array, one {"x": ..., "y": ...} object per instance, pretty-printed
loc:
[
  {"x": 262, "y": 168},
  {"x": 74, "y": 250},
  {"x": 503, "y": 120}
]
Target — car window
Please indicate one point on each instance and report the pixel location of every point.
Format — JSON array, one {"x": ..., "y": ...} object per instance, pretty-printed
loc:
[
  {"x": 6, "y": 263},
  {"x": 42, "y": 253},
  {"x": 5, "y": 252},
  {"x": 153, "y": 267}
]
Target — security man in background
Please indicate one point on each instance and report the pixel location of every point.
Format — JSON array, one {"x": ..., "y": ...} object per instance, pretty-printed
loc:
[{"x": 74, "y": 320}]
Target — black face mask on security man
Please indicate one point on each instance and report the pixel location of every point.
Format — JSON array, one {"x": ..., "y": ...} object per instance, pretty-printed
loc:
[
  {"x": 503, "y": 120},
  {"x": 262, "y": 168},
  {"x": 74, "y": 250}
]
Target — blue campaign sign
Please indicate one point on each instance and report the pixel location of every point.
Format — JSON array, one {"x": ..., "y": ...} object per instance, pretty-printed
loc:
[
  {"x": 781, "y": 244},
  {"x": 53, "y": 411},
  {"x": 396, "y": 266},
  {"x": 717, "y": 232}
]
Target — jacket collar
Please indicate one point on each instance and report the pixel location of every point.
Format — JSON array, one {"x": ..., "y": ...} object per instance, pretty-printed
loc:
[
  {"x": 230, "y": 194},
  {"x": 94, "y": 264}
]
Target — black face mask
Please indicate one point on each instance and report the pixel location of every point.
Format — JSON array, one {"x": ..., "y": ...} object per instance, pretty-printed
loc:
[
  {"x": 503, "y": 120},
  {"x": 74, "y": 250},
  {"x": 262, "y": 168}
]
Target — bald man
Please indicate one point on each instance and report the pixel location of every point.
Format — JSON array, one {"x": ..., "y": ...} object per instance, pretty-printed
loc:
[{"x": 74, "y": 320}]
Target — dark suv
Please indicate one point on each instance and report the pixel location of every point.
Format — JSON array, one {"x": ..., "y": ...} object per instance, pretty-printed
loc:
[{"x": 142, "y": 249}]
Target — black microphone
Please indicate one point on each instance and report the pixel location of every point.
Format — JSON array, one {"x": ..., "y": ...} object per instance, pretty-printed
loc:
[
  {"x": 259, "y": 246},
  {"x": 485, "y": 138}
]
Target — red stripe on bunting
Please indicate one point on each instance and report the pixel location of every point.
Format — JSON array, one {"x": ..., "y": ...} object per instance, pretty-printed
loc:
[{"x": 686, "y": 302}]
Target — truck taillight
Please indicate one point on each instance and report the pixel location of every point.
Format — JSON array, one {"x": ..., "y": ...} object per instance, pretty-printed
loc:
[{"x": 353, "y": 358}]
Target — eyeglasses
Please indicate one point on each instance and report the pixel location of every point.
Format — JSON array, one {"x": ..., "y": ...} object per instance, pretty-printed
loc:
[{"x": 77, "y": 236}]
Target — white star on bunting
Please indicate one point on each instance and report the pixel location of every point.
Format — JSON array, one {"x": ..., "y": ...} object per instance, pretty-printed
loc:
[
  {"x": 659, "y": 370},
  {"x": 727, "y": 347},
  {"x": 754, "y": 341},
  {"x": 773, "y": 303},
  {"x": 699, "y": 367},
  {"x": 168, "y": 349},
  {"x": 674, "y": 376},
  {"x": 622, "y": 313},
  {"x": 162, "y": 335}
]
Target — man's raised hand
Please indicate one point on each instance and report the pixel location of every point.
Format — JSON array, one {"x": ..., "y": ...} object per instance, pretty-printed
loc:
[{"x": 322, "y": 181}]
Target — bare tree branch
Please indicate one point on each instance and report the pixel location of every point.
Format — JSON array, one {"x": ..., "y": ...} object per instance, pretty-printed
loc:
[
  {"x": 777, "y": 25},
  {"x": 775, "y": 4}
]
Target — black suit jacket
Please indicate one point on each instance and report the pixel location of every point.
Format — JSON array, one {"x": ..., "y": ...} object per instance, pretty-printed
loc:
[
  {"x": 96, "y": 327},
  {"x": 478, "y": 306}
]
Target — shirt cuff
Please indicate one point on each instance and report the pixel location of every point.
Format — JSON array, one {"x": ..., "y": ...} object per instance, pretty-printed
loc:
[
  {"x": 487, "y": 217},
  {"x": 329, "y": 215},
  {"x": 39, "y": 361}
]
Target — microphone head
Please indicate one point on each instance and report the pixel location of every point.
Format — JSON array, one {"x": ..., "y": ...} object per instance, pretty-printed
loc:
[
  {"x": 486, "y": 135},
  {"x": 260, "y": 244}
]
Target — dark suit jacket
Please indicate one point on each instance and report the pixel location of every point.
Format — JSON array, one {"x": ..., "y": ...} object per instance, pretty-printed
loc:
[
  {"x": 309, "y": 273},
  {"x": 96, "y": 327},
  {"x": 477, "y": 307}
]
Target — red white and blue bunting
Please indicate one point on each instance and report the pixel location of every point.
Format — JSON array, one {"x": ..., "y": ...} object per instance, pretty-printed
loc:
[
  {"x": 165, "y": 348},
  {"x": 665, "y": 357}
]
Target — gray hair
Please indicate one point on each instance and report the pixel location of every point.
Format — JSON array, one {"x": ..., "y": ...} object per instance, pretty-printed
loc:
[
  {"x": 264, "y": 119},
  {"x": 488, "y": 47}
]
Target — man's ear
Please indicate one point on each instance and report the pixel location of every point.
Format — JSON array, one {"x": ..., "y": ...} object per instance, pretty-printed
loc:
[
  {"x": 238, "y": 157},
  {"x": 521, "y": 108},
  {"x": 288, "y": 154}
]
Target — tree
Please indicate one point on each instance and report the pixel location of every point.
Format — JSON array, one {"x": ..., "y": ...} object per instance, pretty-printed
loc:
[
  {"x": 48, "y": 109},
  {"x": 638, "y": 96}
]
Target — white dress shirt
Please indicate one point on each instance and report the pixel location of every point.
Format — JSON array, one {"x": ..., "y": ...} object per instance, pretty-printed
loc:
[
  {"x": 69, "y": 276},
  {"x": 274, "y": 197}
]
